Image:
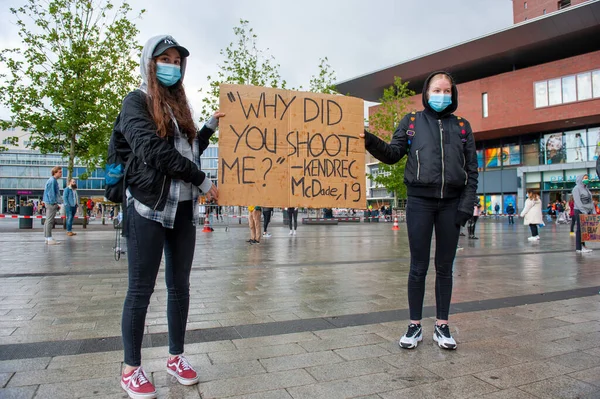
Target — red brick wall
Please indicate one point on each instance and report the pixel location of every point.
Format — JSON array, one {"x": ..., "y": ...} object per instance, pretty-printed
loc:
[
  {"x": 535, "y": 8},
  {"x": 511, "y": 101}
]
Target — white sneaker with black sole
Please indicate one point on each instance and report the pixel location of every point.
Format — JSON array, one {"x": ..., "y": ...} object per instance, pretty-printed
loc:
[
  {"x": 442, "y": 336},
  {"x": 412, "y": 337}
]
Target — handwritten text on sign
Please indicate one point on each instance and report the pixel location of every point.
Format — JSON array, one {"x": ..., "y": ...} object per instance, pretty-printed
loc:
[
  {"x": 590, "y": 227},
  {"x": 286, "y": 148}
]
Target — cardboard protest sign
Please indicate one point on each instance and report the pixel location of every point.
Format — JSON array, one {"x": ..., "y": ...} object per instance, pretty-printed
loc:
[
  {"x": 590, "y": 227},
  {"x": 284, "y": 148}
]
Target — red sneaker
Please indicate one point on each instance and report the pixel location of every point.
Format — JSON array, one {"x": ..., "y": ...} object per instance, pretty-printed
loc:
[
  {"x": 137, "y": 386},
  {"x": 181, "y": 369}
]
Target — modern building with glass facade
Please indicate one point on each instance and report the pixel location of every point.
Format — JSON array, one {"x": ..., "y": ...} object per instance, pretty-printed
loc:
[
  {"x": 24, "y": 172},
  {"x": 531, "y": 93}
]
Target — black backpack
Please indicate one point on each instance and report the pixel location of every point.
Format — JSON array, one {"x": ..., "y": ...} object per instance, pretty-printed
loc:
[{"x": 116, "y": 167}]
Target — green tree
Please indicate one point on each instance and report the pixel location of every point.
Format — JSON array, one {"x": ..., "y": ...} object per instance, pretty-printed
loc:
[
  {"x": 246, "y": 64},
  {"x": 67, "y": 82},
  {"x": 394, "y": 104}
]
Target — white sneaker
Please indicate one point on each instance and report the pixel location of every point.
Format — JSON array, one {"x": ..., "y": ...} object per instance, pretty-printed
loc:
[
  {"x": 584, "y": 250},
  {"x": 52, "y": 242},
  {"x": 531, "y": 239},
  {"x": 294, "y": 232},
  {"x": 291, "y": 232},
  {"x": 537, "y": 238},
  {"x": 442, "y": 336},
  {"x": 412, "y": 336},
  {"x": 267, "y": 235}
]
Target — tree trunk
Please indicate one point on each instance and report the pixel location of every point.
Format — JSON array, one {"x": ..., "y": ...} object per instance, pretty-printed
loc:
[{"x": 71, "y": 158}]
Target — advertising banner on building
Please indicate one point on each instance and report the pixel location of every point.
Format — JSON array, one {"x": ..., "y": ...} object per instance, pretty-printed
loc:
[
  {"x": 554, "y": 147},
  {"x": 284, "y": 148},
  {"x": 576, "y": 146},
  {"x": 593, "y": 137}
]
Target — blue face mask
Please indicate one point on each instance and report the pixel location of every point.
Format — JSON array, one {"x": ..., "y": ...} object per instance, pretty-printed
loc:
[
  {"x": 440, "y": 102},
  {"x": 168, "y": 74}
]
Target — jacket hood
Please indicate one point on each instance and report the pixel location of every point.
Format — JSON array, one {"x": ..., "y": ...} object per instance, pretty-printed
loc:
[
  {"x": 579, "y": 180},
  {"x": 147, "y": 57},
  {"x": 452, "y": 107}
]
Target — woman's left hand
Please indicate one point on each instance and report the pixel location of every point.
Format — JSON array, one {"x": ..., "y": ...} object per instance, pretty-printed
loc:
[{"x": 218, "y": 114}]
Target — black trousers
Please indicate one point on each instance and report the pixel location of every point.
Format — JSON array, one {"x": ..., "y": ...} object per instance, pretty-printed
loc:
[
  {"x": 145, "y": 243},
  {"x": 534, "y": 230},
  {"x": 267, "y": 218},
  {"x": 422, "y": 216}
]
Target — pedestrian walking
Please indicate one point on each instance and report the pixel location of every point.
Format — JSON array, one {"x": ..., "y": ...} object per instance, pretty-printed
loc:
[
  {"x": 441, "y": 178},
  {"x": 510, "y": 211},
  {"x": 254, "y": 213},
  {"x": 267, "y": 213},
  {"x": 497, "y": 210},
  {"x": 473, "y": 221},
  {"x": 293, "y": 218},
  {"x": 52, "y": 199},
  {"x": 70, "y": 204},
  {"x": 571, "y": 207},
  {"x": 584, "y": 205},
  {"x": 163, "y": 182},
  {"x": 532, "y": 214}
]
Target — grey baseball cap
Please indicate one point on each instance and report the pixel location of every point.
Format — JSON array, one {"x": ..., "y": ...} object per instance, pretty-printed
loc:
[{"x": 167, "y": 43}]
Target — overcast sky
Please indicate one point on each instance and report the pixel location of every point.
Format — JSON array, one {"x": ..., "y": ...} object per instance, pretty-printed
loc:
[{"x": 358, "y": 36}]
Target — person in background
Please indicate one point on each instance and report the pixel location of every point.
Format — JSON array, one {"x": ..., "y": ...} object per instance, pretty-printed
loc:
[
  {"x": 572, "y": 215},
  {"x": 532, "y": 214},
  {"x": 52, "y": 199},
  {"x": 510, "y": 211},
  {"x": 497, "y": 209},
  {"x": 584, "y": 205},
  {"x": 267, "y": 213},
  {"x": 293, "y": 217},
  {"x": 254, "y": 224},
  {"x": 473, "y": 221},
  {"x": 70, "y": 204}
]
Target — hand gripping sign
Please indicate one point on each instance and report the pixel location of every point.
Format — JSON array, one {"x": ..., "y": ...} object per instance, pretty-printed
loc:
[{"x": 283, "y": 148}]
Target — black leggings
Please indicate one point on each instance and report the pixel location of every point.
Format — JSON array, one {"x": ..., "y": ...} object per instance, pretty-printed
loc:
[
  {"x": 573, "y": 221},
  {"x": 293, "y": 215},
  {"x": 534, "y": 230},
  {"x": 471, "y": 226},
  {"x": 267, "y": 217},
  {"x": 422, "y": 215}
]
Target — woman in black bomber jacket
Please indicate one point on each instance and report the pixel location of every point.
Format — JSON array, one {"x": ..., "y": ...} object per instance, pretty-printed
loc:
[
  {"x": 156, "y": 135},
  {"x": 441, "y": 179}
]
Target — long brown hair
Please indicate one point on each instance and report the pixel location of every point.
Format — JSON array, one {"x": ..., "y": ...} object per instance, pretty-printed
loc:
[
  {"x": 160, "y": 98},
  {"x": 534, "y": 195}
]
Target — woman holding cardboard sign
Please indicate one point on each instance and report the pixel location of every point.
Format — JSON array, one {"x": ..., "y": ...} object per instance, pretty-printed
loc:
[
  {"x": 157, "y": 138},
  {"x": 441, "y": 179},
  {"x": 584, "y": 205}
]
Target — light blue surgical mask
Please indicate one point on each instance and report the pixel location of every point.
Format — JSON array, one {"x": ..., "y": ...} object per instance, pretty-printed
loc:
[
  {"x": 168, "y": 74},
  {"x": 440, "y": 102}
]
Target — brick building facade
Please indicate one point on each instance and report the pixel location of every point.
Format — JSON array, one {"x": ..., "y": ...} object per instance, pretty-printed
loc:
[{"x": 531, "y": 93}]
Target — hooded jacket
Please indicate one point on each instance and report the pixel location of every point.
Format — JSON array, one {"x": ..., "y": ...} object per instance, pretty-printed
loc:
[
  {"x": 532, "y": 212},
  {"x": 156, "y": 160},
  {"x": 582, "y": 197},
  {"x": 442, "y": 160}
]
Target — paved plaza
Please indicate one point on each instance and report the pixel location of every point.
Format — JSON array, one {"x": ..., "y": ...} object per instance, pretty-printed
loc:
[{"x": 316, "y": 315}]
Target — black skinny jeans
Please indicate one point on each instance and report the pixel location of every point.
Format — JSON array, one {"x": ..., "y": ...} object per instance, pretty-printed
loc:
[
  {"x": 422, "y": 215},
  {"x": 534, "y": 230},
  {"x": 145, "y": 245},
  {"x": 578, "y": 243},
  {"x": 267, "y": 218},
  {"x": 293, "y": 216},
  {"x": 471, "y": 225},
  {"x": 573, "y": 223}
]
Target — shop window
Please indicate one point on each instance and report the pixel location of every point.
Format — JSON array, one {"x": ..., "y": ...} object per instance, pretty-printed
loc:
[
  {"x": 484, "y": 104},
  {"x": 584, "y": 86},
  {"x": 541, "y": 94},
  {"x": 569, "y": 89},
  {"x": 525, "y": 5},
  {"x": 554, "y": 92},
  {"x": 596, "y": 83},
  {"x": 563, "y": 4}
]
